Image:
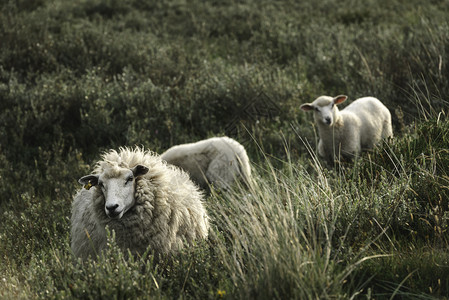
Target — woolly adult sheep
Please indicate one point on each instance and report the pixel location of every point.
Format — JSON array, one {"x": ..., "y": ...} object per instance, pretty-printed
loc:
[
  {"x": 359, "y": 126},
  {"x": 219, "y": 161},
  {"x": 143, "y": 200}
]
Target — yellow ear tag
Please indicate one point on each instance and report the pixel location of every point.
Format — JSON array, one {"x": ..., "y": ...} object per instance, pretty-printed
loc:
[{"x": 88, "y": 186}]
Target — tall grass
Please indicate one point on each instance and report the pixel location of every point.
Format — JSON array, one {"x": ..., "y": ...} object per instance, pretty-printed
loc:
[{"x": 280, "y": 238}]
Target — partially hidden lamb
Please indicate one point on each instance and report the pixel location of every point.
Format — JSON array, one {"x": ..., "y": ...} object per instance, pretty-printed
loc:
[{"x": 220, "y": 161}]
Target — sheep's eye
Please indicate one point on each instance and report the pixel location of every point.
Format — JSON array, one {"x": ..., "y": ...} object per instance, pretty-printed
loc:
[
  {"x": 316, "y": 109},
  {"x": 129, "y": 179}
]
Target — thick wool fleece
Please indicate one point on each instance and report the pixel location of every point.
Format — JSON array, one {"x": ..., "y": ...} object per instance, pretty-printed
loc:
[{"x": 168, "y": 209}]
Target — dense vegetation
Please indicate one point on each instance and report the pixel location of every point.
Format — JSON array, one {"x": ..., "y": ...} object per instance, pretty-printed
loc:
[{"x": 78, "y": 77}]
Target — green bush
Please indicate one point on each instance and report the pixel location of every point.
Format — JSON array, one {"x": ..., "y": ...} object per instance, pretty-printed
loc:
[{"x": 80, "y": 77}]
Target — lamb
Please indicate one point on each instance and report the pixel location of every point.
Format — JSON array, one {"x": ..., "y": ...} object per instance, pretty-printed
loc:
[
  {"x": 147, "y": 203},
  {"x": 219, "y": 161},
  {"x": 360, "y": 126}
]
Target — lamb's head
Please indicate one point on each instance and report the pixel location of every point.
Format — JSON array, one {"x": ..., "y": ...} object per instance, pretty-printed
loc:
[
  {"x": 118, "y": 187},
  {"x": 325, "y": 109}
]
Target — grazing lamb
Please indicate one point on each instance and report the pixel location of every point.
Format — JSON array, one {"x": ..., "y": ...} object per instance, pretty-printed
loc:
[
  {"x": 145, "y": 201},
  {"x": 359, "y": 126},
  {"x": 219, "y": 161}
]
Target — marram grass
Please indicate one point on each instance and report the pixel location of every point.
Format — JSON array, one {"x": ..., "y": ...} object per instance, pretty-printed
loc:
[{"x": 279, "y": 239}]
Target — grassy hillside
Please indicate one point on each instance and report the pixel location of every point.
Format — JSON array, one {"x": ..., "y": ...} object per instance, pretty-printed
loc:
[{"x": 79, "y": 77}]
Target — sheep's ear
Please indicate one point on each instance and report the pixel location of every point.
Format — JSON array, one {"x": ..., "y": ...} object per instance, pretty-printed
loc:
[
  {"x": 89, "y": 181},
  {"x": 139, "y": 170},
  {"x": 306, "y": 107},
  {"x": 92, "y": 179},
  {"x": 340, "y": 99}
]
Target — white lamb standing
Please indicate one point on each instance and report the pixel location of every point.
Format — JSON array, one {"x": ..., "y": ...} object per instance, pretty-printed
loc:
[
  {"x": 147, "y": 203},
  {"x": 359, "y": 126},
  {"x": 219, "y": 161}
]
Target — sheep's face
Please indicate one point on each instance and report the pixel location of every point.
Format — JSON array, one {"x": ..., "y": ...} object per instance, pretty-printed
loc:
[
  {"x": 325, "y": 109},
  {"x": 117, "y": 185}
]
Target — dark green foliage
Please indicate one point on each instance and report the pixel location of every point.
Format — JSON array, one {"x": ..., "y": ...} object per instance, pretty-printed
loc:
[
  {"x": 80, "y": 77},
  {"x": 420, "y": 159}
]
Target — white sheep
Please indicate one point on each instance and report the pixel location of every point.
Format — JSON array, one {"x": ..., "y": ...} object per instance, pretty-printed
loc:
[
  {"x": 359, "y": 126},
  {"x": 147, "y": 203},
  {"x": 219, "y": 161}
]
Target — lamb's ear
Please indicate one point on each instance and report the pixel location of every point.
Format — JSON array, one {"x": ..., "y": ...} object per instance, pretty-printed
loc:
[
  {"x": 89, "y": 181},
  {"x": 306, "y": 107},
  {"x": 139, "y": 170},
  {"x": 340, "y": 99}
]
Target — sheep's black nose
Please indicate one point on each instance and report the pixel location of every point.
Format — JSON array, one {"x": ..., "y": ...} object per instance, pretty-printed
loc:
[
  {"x": 111, "y": 208},
  {"x": 328, "y": 120}
]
